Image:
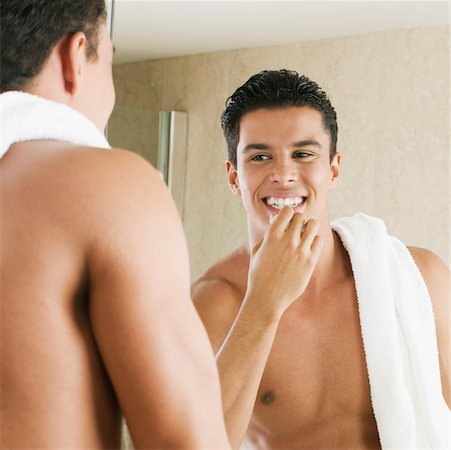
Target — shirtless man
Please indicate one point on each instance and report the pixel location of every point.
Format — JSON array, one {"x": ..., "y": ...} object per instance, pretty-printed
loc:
[
  {"x": 96, "y": 310},
  {"x": 281, "y": 311}
]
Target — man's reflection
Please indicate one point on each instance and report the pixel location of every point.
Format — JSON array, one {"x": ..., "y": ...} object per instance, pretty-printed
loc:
[{"x": 305, "y": 318}]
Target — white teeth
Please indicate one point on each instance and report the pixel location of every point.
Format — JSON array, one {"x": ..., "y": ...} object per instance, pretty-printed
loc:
[{"x": 279, "y": 203}]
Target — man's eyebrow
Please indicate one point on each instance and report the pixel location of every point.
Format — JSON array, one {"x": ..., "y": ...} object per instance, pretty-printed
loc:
[
  {"x": 298, "y": 144},
  {"x": 256, "y": 147},
  {"x": 306, "y": 143}
]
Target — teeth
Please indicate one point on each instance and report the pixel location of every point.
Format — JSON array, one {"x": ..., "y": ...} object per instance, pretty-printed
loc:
[{"x": 279, "y": 203}]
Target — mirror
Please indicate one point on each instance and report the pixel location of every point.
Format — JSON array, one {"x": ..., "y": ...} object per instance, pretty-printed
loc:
[
  {"x": 383, "y": 64},
  {"x": 157, "y": 136}
]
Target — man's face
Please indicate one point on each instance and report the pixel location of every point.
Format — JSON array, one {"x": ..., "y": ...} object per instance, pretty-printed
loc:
[
  {"x": 99, "y": 88},
  {"x": 283, "y": 158}
]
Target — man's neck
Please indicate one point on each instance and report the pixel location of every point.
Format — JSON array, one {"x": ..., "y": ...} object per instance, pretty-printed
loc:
[
  {"x": 333, "y": 264},
  {"x": 43, "y": 90}
]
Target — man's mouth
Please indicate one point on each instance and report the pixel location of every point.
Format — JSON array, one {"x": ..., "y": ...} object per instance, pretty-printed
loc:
[{"x": 279, "y": 203}]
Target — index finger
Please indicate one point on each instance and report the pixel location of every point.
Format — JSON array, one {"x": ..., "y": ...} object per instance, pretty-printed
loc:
[{"x": 282, "y": 220}]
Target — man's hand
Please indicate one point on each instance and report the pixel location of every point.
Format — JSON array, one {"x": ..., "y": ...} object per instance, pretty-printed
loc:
[{"x": 282, "y": 263}]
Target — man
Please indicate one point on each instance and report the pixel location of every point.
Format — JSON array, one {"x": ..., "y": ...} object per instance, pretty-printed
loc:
[
  {"x": 282, "y": 311},
  {"x": 96, "y": 314}
]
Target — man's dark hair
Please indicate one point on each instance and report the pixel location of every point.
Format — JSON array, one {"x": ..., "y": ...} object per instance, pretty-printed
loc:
[
  {"x": 275, "y": 89},
  {"x": 29, "y": 30}
]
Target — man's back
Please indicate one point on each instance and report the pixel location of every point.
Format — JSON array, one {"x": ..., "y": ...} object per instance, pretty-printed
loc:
[
  {"x": 84, "y": 321},
  {"x": 52, "y": 375}
]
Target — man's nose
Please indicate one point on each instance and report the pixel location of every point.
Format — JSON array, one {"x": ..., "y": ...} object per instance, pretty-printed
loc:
[{"x": 284, "y": 171}]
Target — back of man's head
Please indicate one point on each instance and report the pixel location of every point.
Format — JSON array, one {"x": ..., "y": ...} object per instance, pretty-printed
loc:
[
  {"x": 275, "y": 89},
  {"x": 30, "y": 29}
]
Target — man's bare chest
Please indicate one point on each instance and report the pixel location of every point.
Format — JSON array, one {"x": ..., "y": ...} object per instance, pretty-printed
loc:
[{"x": 316, "y": 376}]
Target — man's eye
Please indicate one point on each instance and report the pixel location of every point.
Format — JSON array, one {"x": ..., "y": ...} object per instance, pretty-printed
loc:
[
  {"x": 259, "y": 158},
  {"x": 301, "y": 155}
]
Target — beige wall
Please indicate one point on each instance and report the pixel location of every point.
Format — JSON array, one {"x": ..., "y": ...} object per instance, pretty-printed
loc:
[{"x": 391, "y": 93}]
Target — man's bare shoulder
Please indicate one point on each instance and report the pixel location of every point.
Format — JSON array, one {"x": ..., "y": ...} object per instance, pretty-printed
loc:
[
  {"x": 99, "y": 195},
  {"x": 437, "y": 278},
  {"x": 436, "y": 275},
  {"x": 432, "y": 268},
  {"x": 79, "y": 167},
  {"x": 225, "y": 278},
  {"x": 105, "y": 168},
  {"x": 219, "y": 292},
  {"x": 127, "y": 205},
  {"x": 111, "y": 184},
  {"x": 117, "y": 167}
]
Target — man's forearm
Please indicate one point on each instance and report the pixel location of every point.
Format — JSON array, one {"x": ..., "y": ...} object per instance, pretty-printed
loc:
[{"x": 241, "y": 361}]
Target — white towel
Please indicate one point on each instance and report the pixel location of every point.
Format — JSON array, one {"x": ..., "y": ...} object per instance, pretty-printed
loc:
[
  {"x": 27, "y": 117},
  {"x": 399, "y": 337}
]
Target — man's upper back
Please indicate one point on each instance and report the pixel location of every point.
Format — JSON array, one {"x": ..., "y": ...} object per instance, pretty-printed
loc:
[
  {"x": 95, "y": 306},
  {"x": 47, "y": 221}
]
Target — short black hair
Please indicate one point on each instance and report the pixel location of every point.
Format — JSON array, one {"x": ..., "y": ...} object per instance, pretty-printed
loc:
[
  {"x": 29, "y": 30},
  {"x": 276, "y": 89}
]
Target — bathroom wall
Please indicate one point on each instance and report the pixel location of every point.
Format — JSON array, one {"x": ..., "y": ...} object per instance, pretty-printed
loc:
[{"x": 391, "y": 94}]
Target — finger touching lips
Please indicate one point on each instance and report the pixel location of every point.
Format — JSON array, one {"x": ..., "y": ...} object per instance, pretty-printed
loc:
[{"x": 282, "y": 220}]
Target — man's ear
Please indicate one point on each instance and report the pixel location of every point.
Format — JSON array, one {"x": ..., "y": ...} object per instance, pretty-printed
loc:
[
  {"x": 74, "y": 59},
  {"x": 334, "y": 170},
  {"x": 232, "y": 178}
]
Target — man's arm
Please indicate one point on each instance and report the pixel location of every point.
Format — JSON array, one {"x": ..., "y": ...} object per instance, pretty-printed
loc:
[
  {"x": 152, "y": 342},
  {"x": 437, "y": 278},
  {"x": 242, "y": 338},
  {"x": 242, "y": 331}
]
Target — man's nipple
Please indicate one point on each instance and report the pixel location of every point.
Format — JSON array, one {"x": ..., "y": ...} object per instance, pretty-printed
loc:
[{"x": 268, "y": 397}]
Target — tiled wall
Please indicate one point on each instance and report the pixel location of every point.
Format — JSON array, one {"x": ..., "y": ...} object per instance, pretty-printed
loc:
[{"x": 391, "y": 93}]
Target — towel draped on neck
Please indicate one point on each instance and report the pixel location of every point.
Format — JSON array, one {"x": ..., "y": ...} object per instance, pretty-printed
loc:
[
  {"x": 27, "y": 117},
  {"x": 399, "y": 337}
]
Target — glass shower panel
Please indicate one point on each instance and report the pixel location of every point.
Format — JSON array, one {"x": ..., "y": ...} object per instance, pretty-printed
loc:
[
  {"x": 143, "y": 131},
  {"x": 164, "y": 128}
]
